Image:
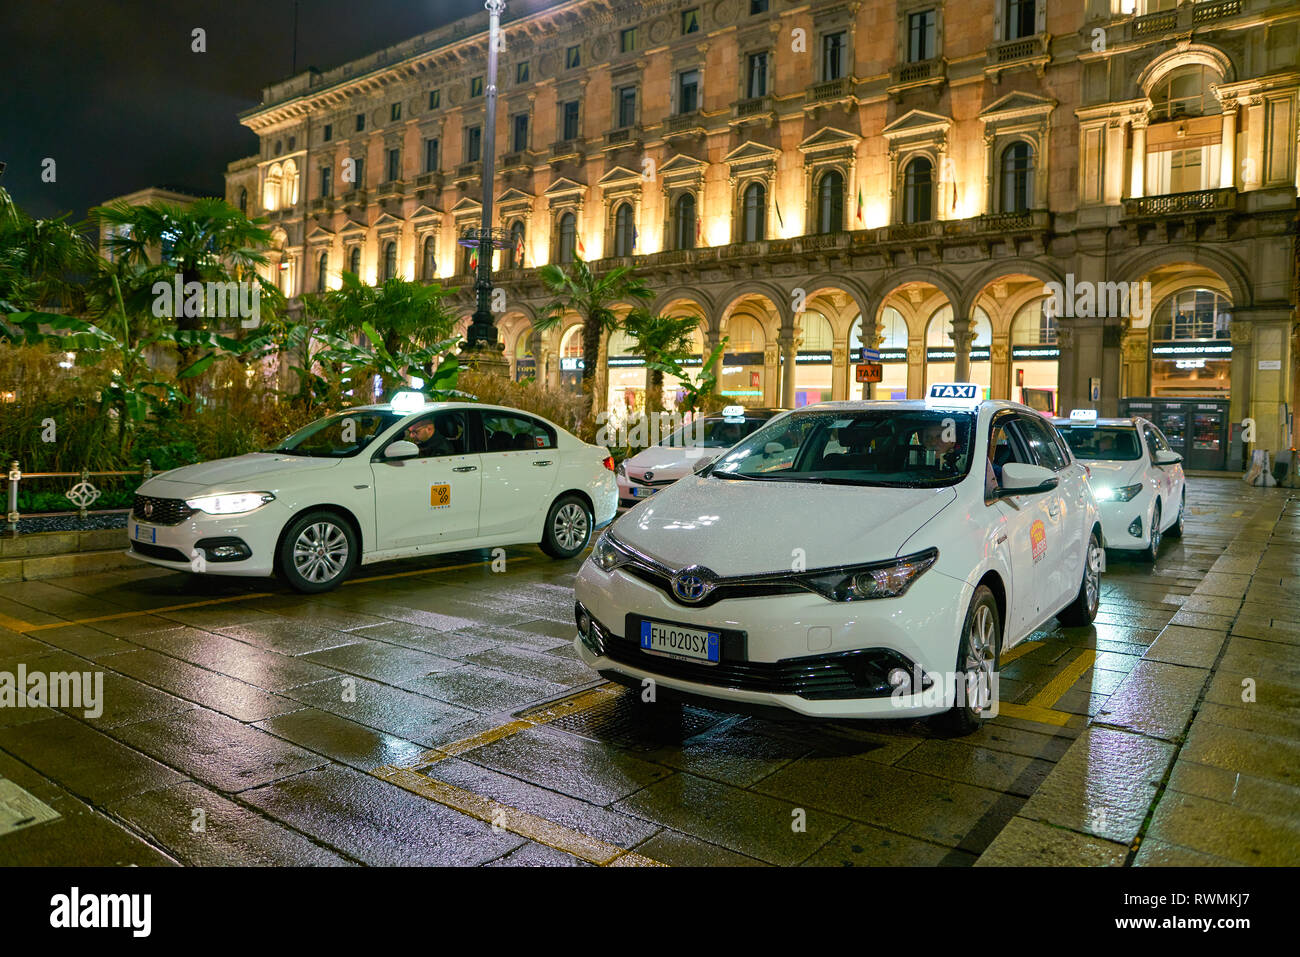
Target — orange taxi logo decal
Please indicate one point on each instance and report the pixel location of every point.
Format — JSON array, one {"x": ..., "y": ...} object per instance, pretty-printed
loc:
[{"x": 1038, "y": 539}]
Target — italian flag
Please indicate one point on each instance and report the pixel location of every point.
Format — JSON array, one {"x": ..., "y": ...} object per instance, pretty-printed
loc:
[
  {"x": 473, "y": 260},
  {"x": 699, "y": 231},
  {"x": 519, "y": 250},
  {"x": 582, "y": 250},
  {"x": 859, "y": 204}
]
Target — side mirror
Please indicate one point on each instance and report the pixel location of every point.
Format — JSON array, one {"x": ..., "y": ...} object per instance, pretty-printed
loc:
[
  {"x": 704, "y": 462},
  {"x": 773, "y": 448},
  {"x": 401, "y": 449},
  {"x": 1021, "y": 479},
  {"x": 1167, "y": 457}
]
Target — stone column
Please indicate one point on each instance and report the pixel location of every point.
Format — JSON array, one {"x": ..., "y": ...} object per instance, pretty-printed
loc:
[
  {"x": 1228, "y": 148},
  {"x": 771, "y": 376},
  {"x": 1135, "y": 358},
  {"x": 1000, "y": 385},
  {"x": 1137, "y": 175},
  {"x": 840, "y": 369},
  {"x": 962, "y": 336},
  {"x": 916, "y": 369},
  {"x": 788, "y": 345}
]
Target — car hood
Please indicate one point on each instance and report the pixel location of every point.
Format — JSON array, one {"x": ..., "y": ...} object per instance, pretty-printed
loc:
[
  {"x": 239, "y": 474},
  {"x": 739, "y": 527},
  {"x": 667, "y": 462},
  {"x": 1114, "y": 474}
]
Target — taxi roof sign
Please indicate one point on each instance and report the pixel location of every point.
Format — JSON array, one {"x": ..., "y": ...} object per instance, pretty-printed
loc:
[
  {"x": 734, "y": 411},
  {"x": 408, "y": 401},
  {"x": 954, "y": 395},
  {"x": 1083, "y": 417}
]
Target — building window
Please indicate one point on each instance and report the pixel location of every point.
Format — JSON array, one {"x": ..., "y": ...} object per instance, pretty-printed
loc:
[
  {"x": 435, "y": 99},
  {"x": 920, "y": 36},
  {"x": 473, "y": 143},
  {"x": 394, "y": 165},
  {"x": 569, "y": 122},
  {"x": 429, "y": 259},
  {"x": 395, "y": 112},
  {"x": 1021, "y": 19},
  {"x": 519, "y": 132},
  {"x": 243, "y": 201},
  {"x": 691, "y": 20},
  {"x": 756, "y": 84},
  {"x": 624, "y": 230},
  {"x": 918, "y": 191},
  {"x": 754, "y": 213},
  {"x": 757, "y": 6},
  {"x": 1193, "y": 314},
  {"x": 521, "y": 72},
  {"x": 830, "y": 202},
  {"x": 684, "y": 216},
  {"x": 354, "y": 261},
  {"x": 626, "y": 107},
  {"x": 361, "y": 122},
  {"x": 359, "y": 170},
  {"x": 1017, "y": 177},
  {"x": 293, "y": 143},
  {"x": 279, "y": 147},
  {"x": 515, "y": 254},
  {"x": 1184, "y": 92},
  {"x": 390, "y": 261},
  {"x": 572, "y": 57},
  {"x": 688, "y": 91},
  {"x": 328, "y": 132},
  {"x": 568, "y": 237},
  {"x": 322, "y": 267},
  {"x": 834, "y": 56},
  {"x": 476, "y": 86},
  {"x": 326, "y": 175},
  {"x": 627, "y": 40},
  {"x": 431, "y": 155}
]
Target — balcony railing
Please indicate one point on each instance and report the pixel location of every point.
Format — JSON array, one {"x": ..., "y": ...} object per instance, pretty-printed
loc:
[
  {"x": 624, "y": 136},
  {"x": 918, "y": 72},
  {"x": 394, "y": 187},
  {"x": 565, "y": 148},
  {"x": 429, "y": 179},
  {"x": 1207, "y": 12},
  {"x": 829, "y": 90},
  {"x": 467, "y": 170},
  {"x": 910, "y": 232},
  {"x": 1197, "y": 201},
  {"x": 512, "y": 160},
  {"x": 353, "y": 197},
  {"x": 325, "y": 204},
  {"x": 1158, "y": 22},
  {"x": 1009, "y": 52},
  {"x": 684, "y": 122},
  {"x": 754, "y": 106}
]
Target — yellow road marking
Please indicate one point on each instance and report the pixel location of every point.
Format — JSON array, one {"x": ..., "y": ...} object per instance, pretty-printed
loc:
[
  {"x": 535, "y": 828},
  {"x": 1062, "y": 683},
  {"x": 1024, "y": 648},
  {"x": 15, "y": 624},
  {"x": 1237, "y": 514},
  {"x": 1029, "y": 712},
  {"x": 427, "y": 571}
]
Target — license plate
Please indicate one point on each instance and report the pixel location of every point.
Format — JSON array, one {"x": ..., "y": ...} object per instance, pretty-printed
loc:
[
  {"x": 643, "y": 492},
  {"x": 697, "y": 644},
  {"x": 145, "y": 533}
]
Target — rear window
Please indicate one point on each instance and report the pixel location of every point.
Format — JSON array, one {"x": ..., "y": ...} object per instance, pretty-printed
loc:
[
  {"x": 713, "y": 433},
  {"x": 1104, "y": 443}
]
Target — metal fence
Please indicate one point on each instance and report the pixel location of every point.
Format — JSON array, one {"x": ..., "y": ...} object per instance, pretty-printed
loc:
[{"x": 82, "y": 494}]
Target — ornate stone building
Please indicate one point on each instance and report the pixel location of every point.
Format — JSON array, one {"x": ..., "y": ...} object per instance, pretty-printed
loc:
[{"x": 805, "y": 177}]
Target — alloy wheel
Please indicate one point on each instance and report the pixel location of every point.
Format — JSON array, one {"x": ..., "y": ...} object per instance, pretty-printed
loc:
[
  {"x": 1092, "y": 574},
  {"x": 981, "y": 649},
  {"x": 320, "y": 552},
  {"x": 570, "y": 527}
]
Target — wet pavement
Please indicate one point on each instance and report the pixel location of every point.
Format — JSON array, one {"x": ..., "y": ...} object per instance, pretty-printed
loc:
[{"x": 435, "y": 713}]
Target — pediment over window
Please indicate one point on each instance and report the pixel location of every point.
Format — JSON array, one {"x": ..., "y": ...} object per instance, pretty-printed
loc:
[
  {"x": 564, "y": 186},
  {"x": 749, "y": 152},
  {"x": 916, "y": 123},
  {"x": 465, "y": 206},
  {"x": 618, "y": 176},
  {"x": 681, "y": 164},
  {"x": 320, "y": 235},
  {"x": 513, "y": 196},
  {"x": 829, "y": 138},
  {"x": 386, "y": 219},
  {"x": 425, "y": 212},
  {"x": 1015, "y": 106}
]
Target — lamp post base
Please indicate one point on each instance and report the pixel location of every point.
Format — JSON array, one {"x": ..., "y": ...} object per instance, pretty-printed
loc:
[{"x": 485, "y": 358}]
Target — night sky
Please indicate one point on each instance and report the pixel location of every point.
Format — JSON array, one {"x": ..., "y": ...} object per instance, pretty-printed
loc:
[{"x": 111, "y": 91}]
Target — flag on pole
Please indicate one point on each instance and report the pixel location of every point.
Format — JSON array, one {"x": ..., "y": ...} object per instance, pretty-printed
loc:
[
  {"x": 779, "y": 220},
  {"x": 473, "y": 260},
  {"x": 859, "y": 203},
  {"x": 699, "y": 232},
  {"x": 582, "y": 250},
  {"x": 519, "y": 250}
]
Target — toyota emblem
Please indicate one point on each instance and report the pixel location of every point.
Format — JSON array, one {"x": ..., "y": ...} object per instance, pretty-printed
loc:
[
  {"x": 648, "y": 476},
  {"x": 692, "y": 584},
  {"x": 148, "y": 509}
]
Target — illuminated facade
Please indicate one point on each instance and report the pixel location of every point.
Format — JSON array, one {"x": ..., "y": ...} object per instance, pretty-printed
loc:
[{"x": 785, "y": 170}]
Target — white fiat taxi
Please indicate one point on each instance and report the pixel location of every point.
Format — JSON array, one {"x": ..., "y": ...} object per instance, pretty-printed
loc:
[
  {"x": 375, "y": 483},
  {"x": 851, "y": 560},
  {"x": 1136, "y": 477}
]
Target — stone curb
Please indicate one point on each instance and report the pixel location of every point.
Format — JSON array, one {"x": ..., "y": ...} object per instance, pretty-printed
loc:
[{"x": 64, "y": 565}]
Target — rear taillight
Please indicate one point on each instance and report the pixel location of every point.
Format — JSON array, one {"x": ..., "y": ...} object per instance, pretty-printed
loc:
[{"x": 609, "y": 462}]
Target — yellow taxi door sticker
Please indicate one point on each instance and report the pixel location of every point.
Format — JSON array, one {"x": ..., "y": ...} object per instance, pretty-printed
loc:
[
  {"x": 1038, "y": 539},
  {"x": 440, "y": 496}
]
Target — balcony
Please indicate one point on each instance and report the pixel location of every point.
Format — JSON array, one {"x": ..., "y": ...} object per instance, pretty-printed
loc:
[
  {"x": 1152, "y": 24},
  {"x": 1217, "y": 202},
  {"x": 322, "y": 206},
  {"x": 394, "y": 187},
  {"x": 1023, "y": 51},
  {"x": 1209, "y": 12},
  {"x": 830, "y": 91},
  {"x": 566, "y": 149},
  {"x": 426, "y": 180},
  {"x": 626, "y": 136},
  {"x": 684, "y": 123},
  {"x": 756, "y": 107},
  {"x": 510, "y": 161},
  {"x": 469, "y": 171},
  {"x": 914, "y": 76},
  {"x": 354, "y": 197}
]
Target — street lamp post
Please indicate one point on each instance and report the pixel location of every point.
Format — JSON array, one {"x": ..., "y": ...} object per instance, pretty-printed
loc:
[{"x": 481, "y": 337}]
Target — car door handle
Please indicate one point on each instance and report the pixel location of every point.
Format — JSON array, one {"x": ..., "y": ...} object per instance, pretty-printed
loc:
[
  {"x": 543, "y": 463},
  {"x": 466, "y": 468},
  {"x": 1000, "y": 540},
  {"x": 1053, "y": 512}
]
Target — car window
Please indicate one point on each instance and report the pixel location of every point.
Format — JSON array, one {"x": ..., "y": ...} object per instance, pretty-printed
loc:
[
  {"x": 880, "y": 447},
  {"x": 338, "y": 436},
  {"x": 713, "y": 433},
  {"x": 1107, "y": 443},
  {"x": 1004, "y": 446},
  {"x": 504, "y": 432},
  {"x": 441, "y": 433},
  {"x": 1153, "y": 444},
  {"x": 1161, "y": 442},
  {"x": 1038, "y": 434}
]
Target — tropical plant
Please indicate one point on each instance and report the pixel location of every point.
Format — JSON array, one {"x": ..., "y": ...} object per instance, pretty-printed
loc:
[
  {"x": 592, "y": 297},
  {"x": 700, "y": 389},
  {"x": 659, "y": 338},
  {"x": 39, "y": 260}
]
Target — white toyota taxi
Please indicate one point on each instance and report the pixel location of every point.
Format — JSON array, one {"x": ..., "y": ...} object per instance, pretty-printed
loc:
[
  {"x": 851, "y": 560},
  {"x": 662, "y": 464},
  {"x": 1137, "y": 478},
  {"x": 375, "y": 483}
]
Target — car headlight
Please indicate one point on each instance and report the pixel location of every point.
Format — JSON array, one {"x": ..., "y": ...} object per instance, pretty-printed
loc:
[
  {"x": 621, "y": 472},
  {"x": 607, "y": 554},
  {"x": 1122, "y": 493},
  {"x": 232, "y": 504},
  {"x": 876, "y": 580}
]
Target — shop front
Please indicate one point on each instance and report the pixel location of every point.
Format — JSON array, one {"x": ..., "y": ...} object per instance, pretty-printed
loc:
[
  {"x": 1197, "y": 429},
  {"x": 893, "y": 357},
  {"x": 1035, "y": 359}
]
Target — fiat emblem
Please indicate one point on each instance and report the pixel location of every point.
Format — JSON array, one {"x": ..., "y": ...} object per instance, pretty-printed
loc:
[
  {"x": 148, "y": 509},
  {"x": 692, "y": 584}
]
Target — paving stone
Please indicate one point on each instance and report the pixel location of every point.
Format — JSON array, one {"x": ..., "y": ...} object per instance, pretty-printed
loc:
[
  {"x": 381, "y": 662},
  {"x": 1156, "y": 699},
  {"x": 1154, "y": 853},
  {"x": 340, "y": 739},
  {"x": 681, "y": 850},
  {"x": 228, "y": 656},
  {"x": 983, "y": 767},
  {"x": 287, "y": 637},
  {"x": 484, "y": 690},
  {"x": 441, "y": 643},
  {"x": 861, "y": 845},
  {"x": 1248, "y": 752},
  {"x": 1181, "y": 645},
  {"x": 537, "y": 855},
  {"x": 1236, "y": 788},
  {"x": 1026, "y": 843},
  {"x": 395, "y": 711},
  {"x": 733, "y": 752},
  {"x": 210, "y": 689},
  {"x": 1225, "y": 831}
]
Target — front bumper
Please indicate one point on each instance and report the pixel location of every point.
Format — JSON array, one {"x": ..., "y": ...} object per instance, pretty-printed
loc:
[
  {"x": 1117, "y": 517},
  {"x": 800, "y": 652},
  {"x": 190, "y": 545}
]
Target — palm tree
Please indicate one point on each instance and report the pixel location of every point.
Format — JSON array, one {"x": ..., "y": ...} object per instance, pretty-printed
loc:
[
  {"x": 39, "y": 260},
  {"x": 592, "y": 297},
  {"x": 659, "y": 338}
]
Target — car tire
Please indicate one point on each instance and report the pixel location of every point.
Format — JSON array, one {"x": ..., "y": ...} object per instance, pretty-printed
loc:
[
  {"x": 317, "y": 552},
  {"x": 1152, "y": 551},
  {"x": 1083, "y": 610},
  {"x": 1176, "y": 529},
  {"x": 979, "y": 649},
  {"x": 568, "y": 527}
]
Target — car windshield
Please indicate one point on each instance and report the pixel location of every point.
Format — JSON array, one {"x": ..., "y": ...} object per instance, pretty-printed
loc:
[
  {"x": 1108, "y": 443},
  {"x": 713, "y": 433},
  {"x": 874, "y": 447},
  {"x": 338, "y": 436}
]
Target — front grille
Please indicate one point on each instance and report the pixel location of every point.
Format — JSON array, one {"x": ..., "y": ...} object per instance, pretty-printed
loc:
[
  {"x": 843, "y": 674},
  {"x": 160, "y": 552},
  {"x": 720, "y": 592},
  {"x": 164, "y": 511}
]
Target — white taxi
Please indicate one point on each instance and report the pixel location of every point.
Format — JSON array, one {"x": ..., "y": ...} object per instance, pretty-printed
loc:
[
  {"x": 850, "y": 560},
  {"x": 1136, "y": 477},
  {"x": 375, "y": 483},
  {"x": 650, "y": 470}
]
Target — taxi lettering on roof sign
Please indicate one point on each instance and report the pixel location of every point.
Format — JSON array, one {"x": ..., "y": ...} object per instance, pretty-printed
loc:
[
  {"x": 734, "y": 413},
  {"x": 1083, "y": 417},
  {"x": 954, "y": 395}
]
